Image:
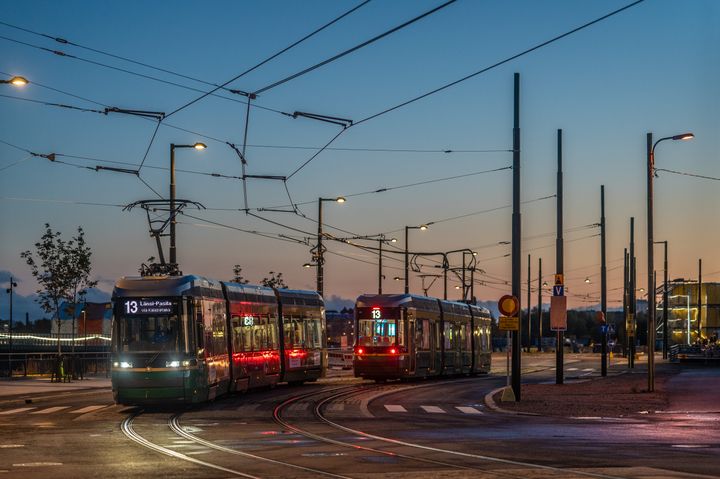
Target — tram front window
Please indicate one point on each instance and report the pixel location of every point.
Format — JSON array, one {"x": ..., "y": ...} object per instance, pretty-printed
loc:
[
  {"x": 380, "y": 327},
  {"x": 149, "y": 325}
]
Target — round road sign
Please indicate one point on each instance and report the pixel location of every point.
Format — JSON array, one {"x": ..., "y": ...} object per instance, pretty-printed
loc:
[{"x": 508, "y": 305}]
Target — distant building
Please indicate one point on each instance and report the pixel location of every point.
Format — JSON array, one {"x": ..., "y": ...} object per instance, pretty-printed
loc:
[
  {"x": 692, "y": 319},
  {"x": 90, "y": 318},
  {"x": 340, "y": 329}
]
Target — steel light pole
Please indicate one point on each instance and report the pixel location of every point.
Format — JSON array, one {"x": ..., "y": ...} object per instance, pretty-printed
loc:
[
  {"x": 422, "y": 227},
  {"x": 665, "y": 299},
  {"x": 10, "y": 290},
  {"x": 650, "y": 242},
  {"x": 197, "y": 146},
  {"x": 320, "y": 247}
]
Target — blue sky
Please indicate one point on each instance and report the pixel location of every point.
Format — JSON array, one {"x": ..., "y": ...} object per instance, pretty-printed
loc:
[{"x": 652, "y": 68}]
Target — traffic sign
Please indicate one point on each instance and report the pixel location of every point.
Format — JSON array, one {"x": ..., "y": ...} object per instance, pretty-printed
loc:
[
  {"x": 507, "y": 323},
  {"x": 559, "y": 290},
  {"x": 559, "y": 281},
  {"x": 508, "y": 305},
  {"x": 558, "y": 313}
]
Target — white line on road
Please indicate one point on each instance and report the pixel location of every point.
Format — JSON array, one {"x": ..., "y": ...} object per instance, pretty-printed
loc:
[
  {"x": 433, "y": 409},
  {"x": 50, "y": 410},
  {"x": 14, "y": 411},
  {"x": 87, "y": 409},
  {"x": 395, "y": 408},
  {"x": 468, "y": 410}
]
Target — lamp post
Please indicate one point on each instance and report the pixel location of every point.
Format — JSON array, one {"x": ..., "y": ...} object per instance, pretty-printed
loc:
[
  {"x": 380, "y": 241},
  {"x": 197, "y": 146},
  {"x": 9, "y": 290},
  {"x": 650, "y": 242},
  {"x": 407, "y": 257},
  {"x": 320, "y": 251}
]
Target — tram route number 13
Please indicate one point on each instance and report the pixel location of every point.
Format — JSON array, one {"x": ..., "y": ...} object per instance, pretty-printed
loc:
[
  {"x": 376, "y": 314},
  {"x": 131, "y": 307}
]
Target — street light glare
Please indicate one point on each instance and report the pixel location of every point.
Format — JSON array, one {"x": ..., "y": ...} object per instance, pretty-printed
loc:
[
  {"x": 307, "y": 265},
  {"x": 199, "y": 146},
  {"x": 340, "y": 199},
  {"x": 19, "y": 81},
  {"x": 684, "y": 136},
  {"x": 423, "y": 227},
  {"x": 394, "y": 240},
  {"x": 587, "y": 280}
]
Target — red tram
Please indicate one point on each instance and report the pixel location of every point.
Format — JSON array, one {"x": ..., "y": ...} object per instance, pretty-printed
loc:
[{"x": 403, "y": 336}]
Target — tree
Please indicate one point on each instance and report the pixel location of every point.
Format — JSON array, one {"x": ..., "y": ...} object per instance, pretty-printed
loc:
[
  {"x": 62, "y": 270},
  {"x": 274, "y": 281},
  {"x": 237, "y": 275}
]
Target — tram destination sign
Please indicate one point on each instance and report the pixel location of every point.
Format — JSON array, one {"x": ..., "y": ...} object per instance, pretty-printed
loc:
[{"x": 150, "y": 306}]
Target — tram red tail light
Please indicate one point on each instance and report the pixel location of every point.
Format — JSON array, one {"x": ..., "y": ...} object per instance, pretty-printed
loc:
[
  {"x": 360, "y": 351},
  {"x": 393, "y": 351}
]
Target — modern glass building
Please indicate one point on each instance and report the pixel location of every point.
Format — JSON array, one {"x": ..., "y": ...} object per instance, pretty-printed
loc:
[{"x": 692, "y": 317}]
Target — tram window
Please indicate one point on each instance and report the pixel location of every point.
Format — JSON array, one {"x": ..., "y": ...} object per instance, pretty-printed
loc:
[
  {"x": 380, "y": 332},
  {"x": 274, "y": 340},
  {"x": 448, "y": 335},
  {"x": 150, "y": 333}
]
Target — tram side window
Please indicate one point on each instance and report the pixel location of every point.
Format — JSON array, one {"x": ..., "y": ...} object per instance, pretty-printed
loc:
[
  {"x": 293, "y": 332},
  {"x": 448, "y": 335},
  {"x": 273, "y": 332},
  {"x": 218, "y": 327},
  {"x": 313, "y": 332}
]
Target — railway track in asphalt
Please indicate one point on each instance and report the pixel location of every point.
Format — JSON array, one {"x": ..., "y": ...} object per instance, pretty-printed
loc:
[
  {"x": 320, "y": 427},
  {"x": 379, "y": 391}
]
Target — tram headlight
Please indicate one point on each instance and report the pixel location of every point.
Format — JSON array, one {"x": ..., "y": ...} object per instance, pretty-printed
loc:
[
  {"x": 124, "y": 364},
  {"x": 172, "y": 364}
]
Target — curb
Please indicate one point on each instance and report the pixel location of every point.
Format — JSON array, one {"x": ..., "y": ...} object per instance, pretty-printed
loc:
[{"x": 490, "y": 403}]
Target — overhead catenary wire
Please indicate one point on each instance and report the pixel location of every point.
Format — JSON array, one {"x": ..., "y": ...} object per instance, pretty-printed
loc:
[
  {"x": 354, "y": 49},
  {"x": 270, "y": 58},
  {"x": 684, "y": 173},
  {"x": 468, "y": 77}
]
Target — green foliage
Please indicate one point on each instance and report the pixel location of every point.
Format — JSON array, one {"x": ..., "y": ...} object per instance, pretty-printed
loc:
[
  {"x": 237, "y": 275},
  {"x": 274, "y": 281},
  {"x": 61, "y": 268}
]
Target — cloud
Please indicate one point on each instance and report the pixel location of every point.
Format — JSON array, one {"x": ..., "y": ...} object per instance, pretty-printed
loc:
[{"x": 5, "y": 277}]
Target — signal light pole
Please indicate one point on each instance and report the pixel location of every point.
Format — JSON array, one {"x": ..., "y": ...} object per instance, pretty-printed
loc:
[{"x": 516, "y": 237}]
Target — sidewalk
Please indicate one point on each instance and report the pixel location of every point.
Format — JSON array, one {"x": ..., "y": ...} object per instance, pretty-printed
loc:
[
  {"x": 624, "y": 392},
  {"x": 21, "y": 386}
]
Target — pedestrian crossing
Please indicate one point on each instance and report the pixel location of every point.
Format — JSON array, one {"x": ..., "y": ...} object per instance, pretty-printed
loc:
[
  {"x": 53, "y": 410},
  {"x": 397, "y": 408}
]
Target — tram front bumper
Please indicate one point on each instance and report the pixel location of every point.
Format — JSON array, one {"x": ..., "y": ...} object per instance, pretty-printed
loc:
[{"x": 141, "y": 387}]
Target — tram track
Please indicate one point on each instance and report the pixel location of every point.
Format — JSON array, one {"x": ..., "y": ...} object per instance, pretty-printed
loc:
[
  {"x": 321, "y": 405},
  {"x": 175, "y": 426}
]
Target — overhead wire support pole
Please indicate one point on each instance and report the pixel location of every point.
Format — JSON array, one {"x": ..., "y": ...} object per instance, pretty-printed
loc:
[
  {"x": 559, "y": 256},
  {"x": 516, "y": 235},
  {"x": 603, "y": 286}
]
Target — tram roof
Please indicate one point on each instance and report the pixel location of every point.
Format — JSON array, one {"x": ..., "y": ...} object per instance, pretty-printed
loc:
[
  {"x": 424, "y": 302},
  {"x": 139, "y": 286}
]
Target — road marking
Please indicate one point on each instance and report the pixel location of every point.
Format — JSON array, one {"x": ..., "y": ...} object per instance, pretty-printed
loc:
[
  {"x": 395, "y": 408},
  {"x": 50, "y": 410},
  {"x": 20, "y": 409},
  {"x": 589, "y": 369},
  {"x": 433, "y": 409},
  {"x": 468, "y": 410},
  {"x": 571, "y": 369},
  {"x": 87, "y": 409}
]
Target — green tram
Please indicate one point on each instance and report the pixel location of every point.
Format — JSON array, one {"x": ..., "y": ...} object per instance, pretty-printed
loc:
[
  {"x": 402, "y": 336},
  {"x": 188, "y": 339}
]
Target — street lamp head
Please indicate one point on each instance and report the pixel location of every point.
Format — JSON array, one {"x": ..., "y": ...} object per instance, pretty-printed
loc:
[
  {"x": 199, "y": 146},
  {"x": 340, "y": 199},
  {"x": 397, "y": 278},
  {"x": 545, "y": 283},
  {"x": 393, "y": 240},
  {"x": 684, "y": 136},
  {"x": 18, "y": 81},
  {"x": 587, "y": 280},
  {"x": 423, "y": 227},
  {"x": 307, "y": 265},
  {"x": 474, "y": 253}
]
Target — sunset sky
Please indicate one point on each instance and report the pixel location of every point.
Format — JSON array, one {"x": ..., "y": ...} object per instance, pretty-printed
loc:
[{"x": 651, "y": 68}]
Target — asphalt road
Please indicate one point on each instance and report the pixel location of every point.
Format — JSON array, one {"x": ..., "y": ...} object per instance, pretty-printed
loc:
[{"x": 347, "y": 428}]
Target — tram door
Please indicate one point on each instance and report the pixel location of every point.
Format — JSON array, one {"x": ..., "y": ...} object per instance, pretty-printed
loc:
[
  {"x": 433, "y": 336},
  {"x": 411, "y": 343}
]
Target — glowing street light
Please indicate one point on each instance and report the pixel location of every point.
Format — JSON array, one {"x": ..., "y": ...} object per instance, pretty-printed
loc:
[{"x": 17, "y": 81}]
